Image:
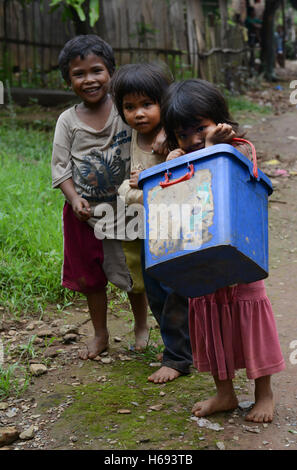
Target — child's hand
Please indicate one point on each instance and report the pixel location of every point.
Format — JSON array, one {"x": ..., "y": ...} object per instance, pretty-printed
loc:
[
  {"x": 220, "y": 134},
  {"x": 134, "y": 178},
  {"x": 81, "y": 208},
  {"x": 159, "y": 144},
  {"x": 174, "y": 154}
]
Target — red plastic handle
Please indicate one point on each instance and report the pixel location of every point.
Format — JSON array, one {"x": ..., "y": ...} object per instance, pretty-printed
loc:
[
  {"x": 255, "y": 167},
  {"x": 185, "y": 177}
]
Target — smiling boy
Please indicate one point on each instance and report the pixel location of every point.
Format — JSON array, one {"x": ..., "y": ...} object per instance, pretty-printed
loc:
[{"x": 91, "y": 158}]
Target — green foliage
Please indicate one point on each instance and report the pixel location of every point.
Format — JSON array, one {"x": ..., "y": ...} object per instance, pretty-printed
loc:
[
  {"x": 77, "y": 5},
  {"x": 290, "y": 50},
  {"x": 28, "y": 350},
  {"x": 94, "y": 12},
  {"x": 10, "y": 383}
]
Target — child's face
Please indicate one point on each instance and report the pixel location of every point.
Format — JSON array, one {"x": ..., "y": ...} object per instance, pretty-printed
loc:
[
  {"x": 193, "y": 138},
  {"x": 89, "y": 78},
  {"x": 141, "y": 113}
]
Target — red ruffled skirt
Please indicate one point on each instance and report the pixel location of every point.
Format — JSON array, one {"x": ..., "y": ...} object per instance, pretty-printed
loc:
[{"x": 234, "y": 328}]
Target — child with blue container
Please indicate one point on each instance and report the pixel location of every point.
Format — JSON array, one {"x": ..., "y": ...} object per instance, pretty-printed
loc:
[
  {"x": 90, "y": 160},
  {"x": 234, "y": 326},
  {"x": 137, "y": 90}
]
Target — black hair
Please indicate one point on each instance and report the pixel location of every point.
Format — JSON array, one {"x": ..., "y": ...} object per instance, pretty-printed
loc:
[
  {"x": 143, "y": 79},
  {"x": 82, "y": 46},
  {"x": 187, "y": 100}
]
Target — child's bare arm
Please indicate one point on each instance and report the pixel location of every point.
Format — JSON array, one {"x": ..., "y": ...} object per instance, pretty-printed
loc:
[
  {"x": 220, "y": 134},
  {"x": 175, "y": 154},
  {"x": 80, "y": 206},
  {"x": 159, "y": 144},
  {"x": 134, "y": 178}
]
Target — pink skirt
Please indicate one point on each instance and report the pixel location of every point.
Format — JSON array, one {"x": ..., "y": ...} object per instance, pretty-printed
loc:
[{"x": 234, "y": 328}]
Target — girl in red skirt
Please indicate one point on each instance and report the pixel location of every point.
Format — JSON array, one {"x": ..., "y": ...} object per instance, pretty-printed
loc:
[{"x": 234, "y": 327}]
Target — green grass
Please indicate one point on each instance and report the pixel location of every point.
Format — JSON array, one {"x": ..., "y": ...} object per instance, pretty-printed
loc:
[
  {"x": 239, "y": 105},
  {"x": 11, "y": 383},
  {"x": 94, "y": 418},
  {"x": 30, "y": 221},
  {"x": 94, "y": 411}
]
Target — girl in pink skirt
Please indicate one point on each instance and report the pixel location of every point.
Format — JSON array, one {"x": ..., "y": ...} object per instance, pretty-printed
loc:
[{"x": 234, "y": 327}]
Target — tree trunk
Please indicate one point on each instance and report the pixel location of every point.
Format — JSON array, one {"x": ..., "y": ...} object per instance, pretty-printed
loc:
[
  {"x": 283, "y": 4},
  {"x": 268, "y": 40}
]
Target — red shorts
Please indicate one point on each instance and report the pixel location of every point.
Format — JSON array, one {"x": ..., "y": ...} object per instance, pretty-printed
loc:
[{"x": 83, "y": 255}]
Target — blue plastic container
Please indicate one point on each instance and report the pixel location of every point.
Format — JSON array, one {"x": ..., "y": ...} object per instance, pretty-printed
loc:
[{"x": 216, "y": 221}]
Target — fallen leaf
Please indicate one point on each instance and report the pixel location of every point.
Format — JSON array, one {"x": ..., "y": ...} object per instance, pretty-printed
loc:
[
  {"x": 156, "y": 407},
  {"x": 124, "y": 412},
  {"x": 272, "y": 162}
]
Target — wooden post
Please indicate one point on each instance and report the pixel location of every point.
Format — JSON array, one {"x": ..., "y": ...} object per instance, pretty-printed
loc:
[
  {"x": 224, "y": 22},
  {"x": 6, "y": 50},
  {"x": 196, "y": 32},
  {"x": 215, "y": 60},
  {"x": 284, "y": 31}
]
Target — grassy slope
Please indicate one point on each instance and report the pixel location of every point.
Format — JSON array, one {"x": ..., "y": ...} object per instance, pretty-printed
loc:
[{"x": 30, "y": 220}]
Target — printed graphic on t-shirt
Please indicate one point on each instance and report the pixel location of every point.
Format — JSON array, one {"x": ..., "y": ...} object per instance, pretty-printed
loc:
[{"x": 99, "y": 175}]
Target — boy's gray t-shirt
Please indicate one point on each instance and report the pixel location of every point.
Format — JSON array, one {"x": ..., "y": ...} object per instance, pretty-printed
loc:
[{"x": 97, "y": 161}]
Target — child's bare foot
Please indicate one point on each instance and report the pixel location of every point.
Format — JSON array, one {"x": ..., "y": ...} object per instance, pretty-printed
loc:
[
  {"x": 94, "y": 347},
  {"x": 225, "y": 399},
  {"x": 214, "y": 405},
  {"x": 262, "y": 411},
  {"x": 141, "y": 338},
  {"x": 163, "y": 375}
]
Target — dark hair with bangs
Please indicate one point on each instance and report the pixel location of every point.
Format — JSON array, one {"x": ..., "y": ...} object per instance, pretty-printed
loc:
[
  {"x": 143, "y": 79},
  {"x": 82, "y": 46},
  {"x": 187, "y": 100}
]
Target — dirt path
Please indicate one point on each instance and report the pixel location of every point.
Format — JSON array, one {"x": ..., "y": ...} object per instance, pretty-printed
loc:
[
  {"x": 44, "y": 405},
  {"x": 276, "y": 139}
]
